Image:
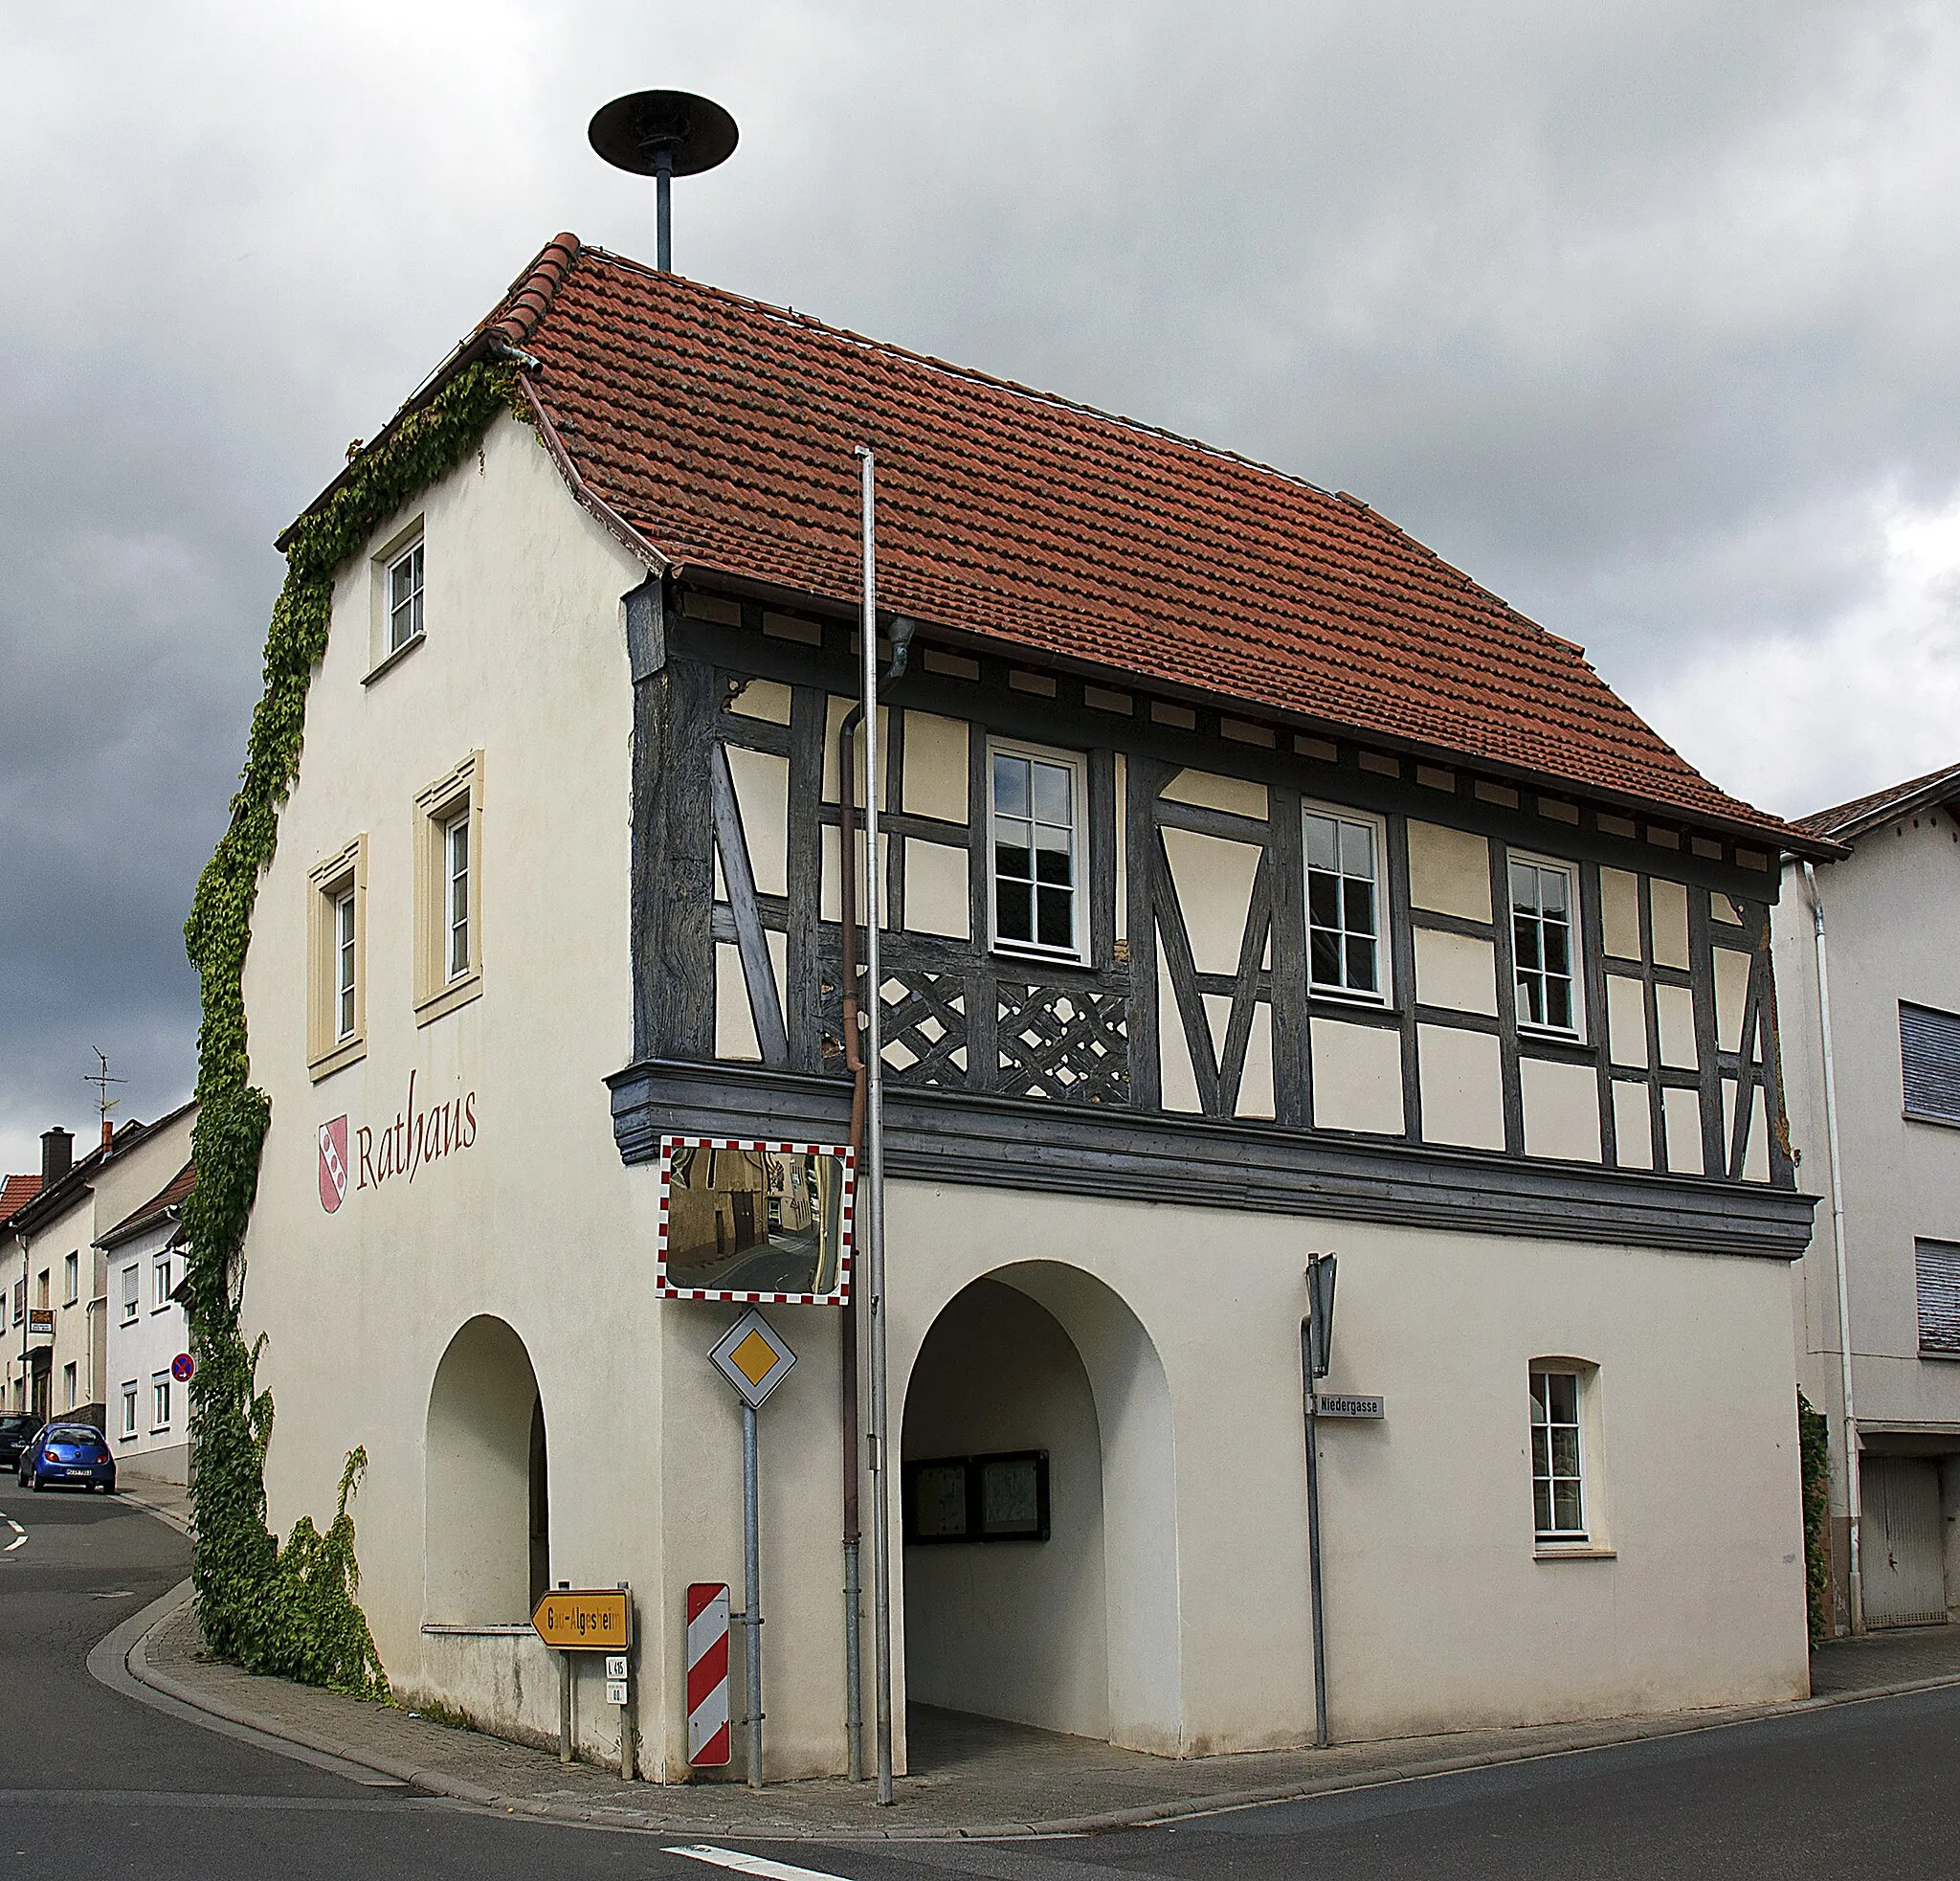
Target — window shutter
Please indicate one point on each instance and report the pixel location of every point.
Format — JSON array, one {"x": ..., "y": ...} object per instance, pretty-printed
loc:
[
  {"x": 1938, "y": 1265},
  {"x": 1930, "y": 1055}
]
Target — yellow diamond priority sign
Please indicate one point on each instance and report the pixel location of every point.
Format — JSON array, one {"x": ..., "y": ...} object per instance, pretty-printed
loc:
[{"x": 753, "y": 1356}]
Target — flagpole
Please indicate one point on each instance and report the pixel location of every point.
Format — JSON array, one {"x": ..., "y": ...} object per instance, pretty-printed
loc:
[{"x": 872, "y": 1213}]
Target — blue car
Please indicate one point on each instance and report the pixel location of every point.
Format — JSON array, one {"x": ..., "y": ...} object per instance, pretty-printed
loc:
[{"x": 71, "y": 1454}]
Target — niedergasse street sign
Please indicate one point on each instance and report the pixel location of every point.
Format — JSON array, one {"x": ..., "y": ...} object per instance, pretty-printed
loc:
[
  {"x": 584, "y": 1620},
  {"x": 1347, "y": 1405},
  {"x": 753, "y": 1356}
]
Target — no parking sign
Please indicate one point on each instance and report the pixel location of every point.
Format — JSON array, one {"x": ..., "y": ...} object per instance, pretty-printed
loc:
[{"x": 182, "y": 1366}]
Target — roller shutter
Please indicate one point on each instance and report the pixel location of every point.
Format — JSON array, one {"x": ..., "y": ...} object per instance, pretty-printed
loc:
[{"x": 1930, "y": 1058}]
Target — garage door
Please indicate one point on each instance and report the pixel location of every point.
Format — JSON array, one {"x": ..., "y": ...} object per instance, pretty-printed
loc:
[{"x": 1905, "y": 1550}]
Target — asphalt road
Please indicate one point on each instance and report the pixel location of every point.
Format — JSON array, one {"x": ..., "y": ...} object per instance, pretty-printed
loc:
[{"x": 95, "y": 1784}]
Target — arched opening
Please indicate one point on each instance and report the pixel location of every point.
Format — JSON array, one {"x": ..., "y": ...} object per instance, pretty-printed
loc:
[
  {"x": 1069, "y": 1623},
  {"x": 487, "y": 1528}
]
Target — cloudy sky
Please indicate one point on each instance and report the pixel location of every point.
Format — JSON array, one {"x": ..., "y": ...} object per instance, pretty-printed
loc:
[{"x": 1649, "y": 317}]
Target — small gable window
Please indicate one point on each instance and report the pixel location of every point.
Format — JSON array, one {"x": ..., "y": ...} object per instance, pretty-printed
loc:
[{"x": 405, "y": 598}]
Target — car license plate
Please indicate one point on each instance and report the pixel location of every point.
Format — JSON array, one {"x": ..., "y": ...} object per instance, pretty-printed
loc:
[{"x": 81, "y": 1473}]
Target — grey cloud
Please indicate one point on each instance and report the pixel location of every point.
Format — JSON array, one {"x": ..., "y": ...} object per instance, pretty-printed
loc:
[{"x": 1636, "y": 315}]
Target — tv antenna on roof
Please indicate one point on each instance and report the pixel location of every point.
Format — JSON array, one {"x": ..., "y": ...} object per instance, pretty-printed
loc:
[
  {"x": 663, "y": 135},
  {"x": 101, "y": 1081}
]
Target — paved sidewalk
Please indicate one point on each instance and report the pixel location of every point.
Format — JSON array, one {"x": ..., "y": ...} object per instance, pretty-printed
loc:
[
  {"x": 1899, "y": 1656},
  {"x": 974, "y": 1776},
  {"x": 167, "y": 1502}
]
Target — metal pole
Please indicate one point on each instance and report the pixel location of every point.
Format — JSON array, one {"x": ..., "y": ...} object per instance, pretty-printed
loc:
[
  {"x": 1854, "y": 1493},
  {"x": 751, "y": 1592},
  {"x": 663, "y": 174},
  {"x": 565, "y": 1708},
  {"x": 1313, "y": 1544},
  {"x": 854, "y": 1650},
  {"x": 874, "y": 1134}
]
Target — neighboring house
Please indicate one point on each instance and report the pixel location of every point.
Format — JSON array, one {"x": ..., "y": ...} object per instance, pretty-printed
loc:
[
  {"x": 15, "y": 1191},
  {"x": 1256, "y": 884},
  {"x": 150, "y": 1330},
  {"x": 61, "y": 1366},
  {"x": 1891, "y": 909}
]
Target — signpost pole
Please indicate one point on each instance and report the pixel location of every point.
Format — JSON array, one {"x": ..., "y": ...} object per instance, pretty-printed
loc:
[
  {"x": 1313, "y": 1549},
  {"x": 752, "y": 1593},
  {"x": 565, "y": 1708},
  {"x": 1316, "y": 1356}
]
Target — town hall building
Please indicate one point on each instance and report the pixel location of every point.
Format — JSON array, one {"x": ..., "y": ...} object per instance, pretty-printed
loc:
[{"x": 1256, "y": 885}]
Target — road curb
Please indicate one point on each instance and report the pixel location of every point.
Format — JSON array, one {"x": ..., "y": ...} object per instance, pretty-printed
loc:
[{"x": 126, "y": 1650}]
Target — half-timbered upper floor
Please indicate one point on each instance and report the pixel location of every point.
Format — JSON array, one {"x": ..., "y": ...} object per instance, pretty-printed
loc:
[{"x": 1098, "y": 897}]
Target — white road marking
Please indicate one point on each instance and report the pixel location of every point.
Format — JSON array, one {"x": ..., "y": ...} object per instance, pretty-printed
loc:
[
  {"x": 701, "y": 1851},
  {"x": 19, "y": 1536}
]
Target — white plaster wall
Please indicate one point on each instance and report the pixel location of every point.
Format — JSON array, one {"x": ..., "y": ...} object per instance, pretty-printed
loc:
[
  {"x": 1439, "y": 1612},
  {"x": 1241, "y": 797},
  {"x": 1214, "y": 879},
  {"x": 1449, "y": 870},
  {"x": 1891, "y": 909},
  {"x": 1668, "y": 910},
  {"x": 536, "y": 1223},
  {"x": 1561, "y": 1109},
  {"x": 1619, "y": 896},
  {"x": 1456, "y": 969},
  {"x": 1462, "y": 1087},
  {"x": 1357, "y": 1077}
]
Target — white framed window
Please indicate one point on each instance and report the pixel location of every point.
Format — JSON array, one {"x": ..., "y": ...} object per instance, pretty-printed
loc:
[
  {"x": 1545, "y": 944},
  {"x": 1036, "y": 814},
  {"x": 68, "y": 1386},
  {"x": 449, "y": 890},
  {"x": 405, "y": 597},
  {"x": 71, "y": 1278},
  {"x": 1345, "y": 927},
  {"x": 337, "y": 944},
  {"x": 160, "y": 1283},
  {"x": 129, "y": 1408},
  {"x": 455, "y": 899},
  {"x": 344, "y": 959},
  {"x": 160, "y": 1401},
  {"x": 132, "y": 1286},
  {"x": 1558, "y": 1459}
]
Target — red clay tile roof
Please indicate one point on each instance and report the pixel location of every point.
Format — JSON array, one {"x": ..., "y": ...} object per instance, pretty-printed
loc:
[
  {"x": 723, "y": 433},
  {"x": 16, "y": 1191},
  {"x": 168, "y": 1197},
  {"x": 1846, "y": 823}
]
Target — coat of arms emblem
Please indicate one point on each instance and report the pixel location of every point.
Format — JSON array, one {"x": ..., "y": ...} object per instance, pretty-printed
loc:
[{"x": 333, "y": 1163}]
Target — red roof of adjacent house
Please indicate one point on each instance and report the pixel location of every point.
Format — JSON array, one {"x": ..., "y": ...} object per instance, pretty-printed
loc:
[
  {"x": 1845, "y": 822},
  {"x": 156, "y": 1207},
  {"x": 16, "y": 1193},
  {"x": 723, "y": 433}
]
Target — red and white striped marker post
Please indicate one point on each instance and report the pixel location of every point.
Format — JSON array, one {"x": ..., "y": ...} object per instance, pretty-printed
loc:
[{"x": 708, "y": 1673}]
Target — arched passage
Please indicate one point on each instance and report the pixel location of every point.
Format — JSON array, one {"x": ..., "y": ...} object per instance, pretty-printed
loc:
[
  {"x": 487, "y": 1537},
  {"x": 1078, "y": 1632}
]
